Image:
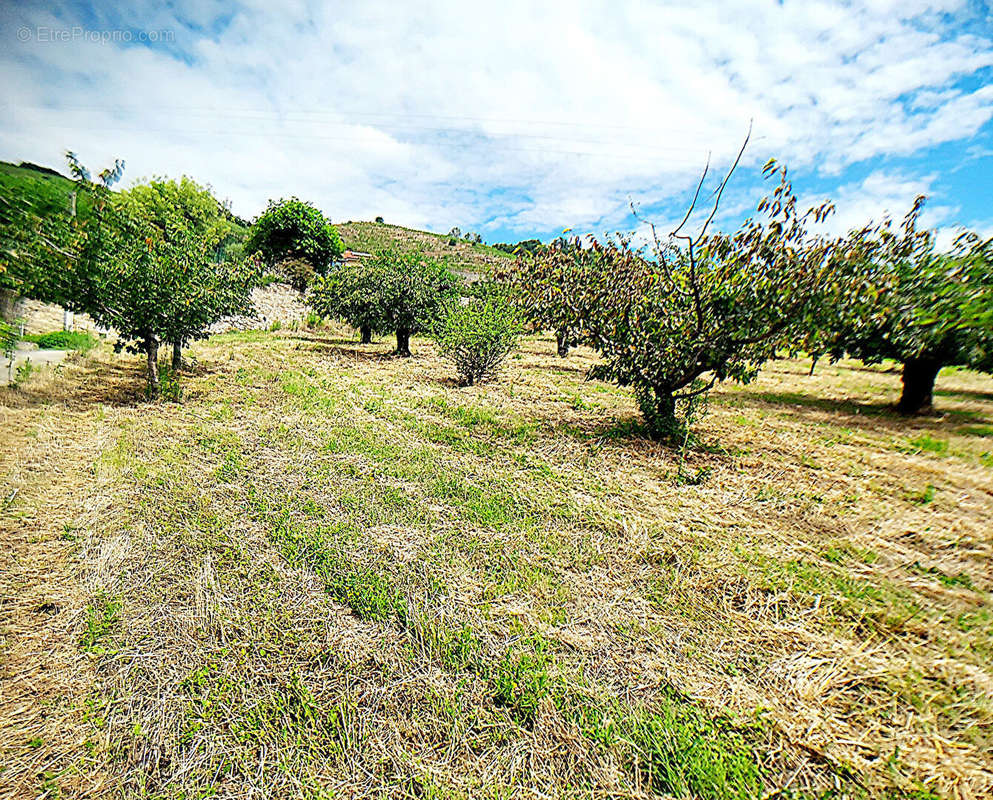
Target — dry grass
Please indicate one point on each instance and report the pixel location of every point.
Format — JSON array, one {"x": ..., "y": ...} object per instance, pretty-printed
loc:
[{"x": 332, "y": 573}]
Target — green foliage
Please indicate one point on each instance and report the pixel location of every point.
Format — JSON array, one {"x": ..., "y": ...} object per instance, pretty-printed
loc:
[
  {"x": 186, "y": 234},
  {"x": 23, "y": 372},
  {"x": 170, "y": 388},
  {"x": 349, "y": 293},
  {"x": 901, "y": 299},
  {"x": 294, "y": 229},
  {"x": 149, "y": 262},
  {"x": 395, "y": 290},
  {"x": 80, "y": 341},
  {"x": 101, "y": 618},
  {"x": 532, "y": 246},
  {"x": 151, "y": 269},
  {"x": 34, "y": 209},
  {"x": 298, "y": 271},
  {"x": 9, "y": 337},
  {"x": 477, "y": 335},
  {"x": 710, "y": 304}
]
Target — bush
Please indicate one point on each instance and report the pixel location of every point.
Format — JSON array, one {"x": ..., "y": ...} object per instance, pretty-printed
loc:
[
  {"x": 298, "y": 271},
  {"x": 477, "y": 335},
  {"x": 64, "y": 340}
]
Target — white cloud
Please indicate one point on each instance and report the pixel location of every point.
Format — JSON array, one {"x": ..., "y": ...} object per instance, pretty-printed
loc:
[{"x": 514, "y": 115}]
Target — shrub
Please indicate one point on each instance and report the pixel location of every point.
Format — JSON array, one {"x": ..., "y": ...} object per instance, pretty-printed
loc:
[
  {"x": 170, "y": 389},
  {"x": 64, "y": 340},
  {"x": 477, "y": 336},
  {"x": 298, "y": 271},
  {"x": 24, "y": 370},
  {"x": 9, "y": 337}
]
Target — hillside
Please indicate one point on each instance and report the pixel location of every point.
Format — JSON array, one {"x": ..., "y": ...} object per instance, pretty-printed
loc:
[
  {"x": 461, "y": 256},
  {"x": 49, "y": 191}
]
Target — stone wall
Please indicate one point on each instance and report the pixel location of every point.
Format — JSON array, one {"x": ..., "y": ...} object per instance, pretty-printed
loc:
[
  {"x": 278, "y": 302},
  {"x": 44, "y": 317}
]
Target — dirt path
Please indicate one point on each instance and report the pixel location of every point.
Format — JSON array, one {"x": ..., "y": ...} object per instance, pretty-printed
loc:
[{"x": 39, "y": 359}]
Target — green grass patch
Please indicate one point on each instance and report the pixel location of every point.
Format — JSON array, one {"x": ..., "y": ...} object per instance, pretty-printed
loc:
[
  {"x": 64, "y": 340},
  {"x": 926, "y": 444},
  {"x": 102, "y": 616}
]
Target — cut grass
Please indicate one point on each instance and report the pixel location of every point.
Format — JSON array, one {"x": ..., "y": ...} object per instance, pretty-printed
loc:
[{"x": 345, "y": 577}]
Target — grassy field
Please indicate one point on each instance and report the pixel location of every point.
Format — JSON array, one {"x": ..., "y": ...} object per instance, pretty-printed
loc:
[{"x": 331, "y": 573}]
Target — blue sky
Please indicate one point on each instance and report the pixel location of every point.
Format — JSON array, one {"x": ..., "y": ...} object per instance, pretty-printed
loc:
[{"x": 516, "y": 119}]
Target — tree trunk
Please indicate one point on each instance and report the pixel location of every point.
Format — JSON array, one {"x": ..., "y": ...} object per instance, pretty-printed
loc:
[
  {"x": 562, "y": 342},
  {"x": 9, "y": 302},
  {"x": 152, "y": 365},
  {"x": 658, "y": 407},
  {"x": 403, "y": 342},
  {"x": 918, "y": 385},
  {"x": 177, "y": 356},
  {"x": 366, "y": 332}
]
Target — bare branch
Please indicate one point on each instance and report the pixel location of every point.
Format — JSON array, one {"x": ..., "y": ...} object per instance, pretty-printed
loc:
[
  {"x": 696, "y": 196},
  {"x": 724, "y": 183}
]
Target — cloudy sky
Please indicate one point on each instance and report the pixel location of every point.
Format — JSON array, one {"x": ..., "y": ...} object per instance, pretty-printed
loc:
[{"x": 515, "y": 119}]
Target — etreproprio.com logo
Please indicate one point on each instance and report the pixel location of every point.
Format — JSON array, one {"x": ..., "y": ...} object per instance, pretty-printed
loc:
[{"x": 77, "y": 33}]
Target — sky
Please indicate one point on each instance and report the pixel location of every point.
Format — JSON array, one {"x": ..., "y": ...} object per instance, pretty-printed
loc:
[{"x": 516, "y": 119}]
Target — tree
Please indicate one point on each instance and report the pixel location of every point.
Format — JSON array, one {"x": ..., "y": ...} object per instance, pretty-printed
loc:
[
  {"x": 188, "y": 232},
  {"x": 701, "y": 308},
  {"x": 349, "y": 293},
  {"x": 392, "y": 291},
  {"x": 545, "y": 304},
  {"x": 294, "y": 229},
  {"x": 144, "y": 262},
  {"x": 477, "y": 336},
  {"x": 901, "y": 299},
  {"x": 379, "y": 220}
]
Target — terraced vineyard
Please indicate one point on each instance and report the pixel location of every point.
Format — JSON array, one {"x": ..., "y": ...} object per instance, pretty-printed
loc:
[{"x": 461, "y": 256}]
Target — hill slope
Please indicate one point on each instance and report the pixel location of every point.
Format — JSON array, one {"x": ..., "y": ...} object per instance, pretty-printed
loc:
[
  {"x": 49, "y": 191},
  {"x": 461, "y": 256}
]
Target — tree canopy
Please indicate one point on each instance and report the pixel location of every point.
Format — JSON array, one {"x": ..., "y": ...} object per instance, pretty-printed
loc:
[
  {"x": 193, "y": 283},
  {"x": 903, "y": 299},
  {"x": 696, "y": 309},
  {"x": 294, "y": 229},
  {"x": 393, "y": 291}
]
